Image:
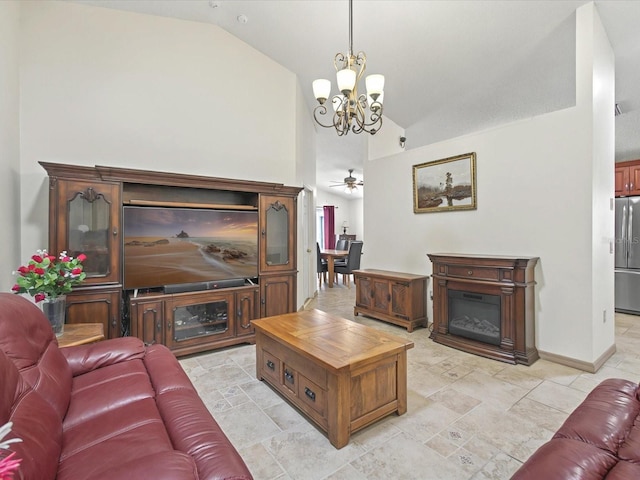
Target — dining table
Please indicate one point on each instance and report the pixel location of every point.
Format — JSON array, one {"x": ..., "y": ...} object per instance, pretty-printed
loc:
[{"x": 330, "y": 256}]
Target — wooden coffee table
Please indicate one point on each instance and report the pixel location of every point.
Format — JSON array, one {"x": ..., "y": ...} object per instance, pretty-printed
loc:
[{"x": 342, "y": 375}]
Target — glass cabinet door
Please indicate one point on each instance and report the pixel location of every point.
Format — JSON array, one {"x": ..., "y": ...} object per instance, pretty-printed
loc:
[
  {"x": 92, "y": 223},
  {"x": 193, "y": 318},
  {"x": 277, "y": 234}
]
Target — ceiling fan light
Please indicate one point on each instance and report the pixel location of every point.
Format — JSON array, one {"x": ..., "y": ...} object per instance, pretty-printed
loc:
[
  {"x": 348, "y": 189},
  {"x": 346, "y": 80},
  {"x": 375, "y": 85},
  {"x": 321, "y": 89}
]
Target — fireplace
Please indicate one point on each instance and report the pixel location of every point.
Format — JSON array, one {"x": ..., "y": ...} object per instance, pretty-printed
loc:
[
  {"x": 485, "y": 305},
  {"x": 475, "y": 316}
]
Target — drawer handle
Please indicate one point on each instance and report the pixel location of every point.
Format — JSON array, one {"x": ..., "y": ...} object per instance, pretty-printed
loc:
[
  {"x": 271, "y": 365},
  {"x": 288, "y": 376},
  {"x": 470, "y": 272},
  {"x": 310, "y": 393}
]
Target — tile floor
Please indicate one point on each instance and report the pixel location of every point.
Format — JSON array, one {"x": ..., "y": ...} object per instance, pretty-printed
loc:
[{"x": 468, "y": 417}]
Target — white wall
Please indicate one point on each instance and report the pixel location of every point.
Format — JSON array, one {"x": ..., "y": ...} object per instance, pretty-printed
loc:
[
  {"x": 9, "y": 143},
  {"x": 596, "y": 58},
  {"x": 109, "y": 87},
  {"x": 537, "y": 196}
]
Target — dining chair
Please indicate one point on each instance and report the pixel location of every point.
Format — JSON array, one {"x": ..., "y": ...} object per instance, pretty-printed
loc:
[
  {"x": 321, "y": 266},
  {"x": 353, "y": 262},
  {"x": 342, "y": 244}
]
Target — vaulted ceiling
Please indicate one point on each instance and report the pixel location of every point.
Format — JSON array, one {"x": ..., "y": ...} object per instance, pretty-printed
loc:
[{"x": 451, "y": 67}]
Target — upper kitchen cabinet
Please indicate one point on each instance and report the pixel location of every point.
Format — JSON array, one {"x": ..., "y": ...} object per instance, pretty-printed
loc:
[{"x": 627, "y": 178}]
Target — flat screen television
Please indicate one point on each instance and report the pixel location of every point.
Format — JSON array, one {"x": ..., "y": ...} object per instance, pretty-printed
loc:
[{"x": 169, "y": 246}]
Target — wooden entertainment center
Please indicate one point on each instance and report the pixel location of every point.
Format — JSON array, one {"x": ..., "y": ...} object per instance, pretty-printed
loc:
[{"x": 85, "y": 216}]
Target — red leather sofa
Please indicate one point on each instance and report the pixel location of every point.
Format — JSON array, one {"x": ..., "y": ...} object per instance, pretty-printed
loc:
[
  {"x": 110, "y": 410},
  {"x": 600, "y": 439}
]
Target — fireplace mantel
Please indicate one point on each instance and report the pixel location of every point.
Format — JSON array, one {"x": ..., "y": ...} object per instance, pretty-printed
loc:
[{"x": 510, "y": 278}]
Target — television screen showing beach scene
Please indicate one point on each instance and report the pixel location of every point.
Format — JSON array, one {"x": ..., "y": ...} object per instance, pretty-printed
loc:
[{"x": 165, "y": 246}]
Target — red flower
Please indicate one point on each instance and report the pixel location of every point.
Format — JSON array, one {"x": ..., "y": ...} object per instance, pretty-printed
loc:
[
  {"x": 23, "y": 270},
  {"x": 82, "y": 257},
  {"x": 76, "y": 271},
  {"x": 39, "y": 297},
  {"x": 51, "y": 258},
  {"x": 16, "y": 288},
  {"x": 32, "y": 267},
  {"x": 37, "y": 258},
  {"x": 65, "y": 259},
  {"x": 38, "y": 270}
]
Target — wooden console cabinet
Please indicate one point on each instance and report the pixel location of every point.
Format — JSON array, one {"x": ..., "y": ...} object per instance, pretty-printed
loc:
[
  {"x": 154, "y": 319},
  {"x": 398, "y": 298},
  {"x": 509, "y": 278},
  {"x": 85, "y": 216}
]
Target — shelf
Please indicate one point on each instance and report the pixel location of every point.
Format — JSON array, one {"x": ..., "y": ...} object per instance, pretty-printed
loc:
[
  {"x": 179, "y": 328},
  {"x": 153, "y": 203}
]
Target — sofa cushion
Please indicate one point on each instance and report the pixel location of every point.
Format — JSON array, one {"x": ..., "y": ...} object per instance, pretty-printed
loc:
[
  {"x": 191, "y": 427},
  {"x": 32, "y": 346}
]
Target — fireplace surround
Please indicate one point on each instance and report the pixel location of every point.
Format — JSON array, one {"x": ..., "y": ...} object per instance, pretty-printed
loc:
[{"x": 485, "y": 304}]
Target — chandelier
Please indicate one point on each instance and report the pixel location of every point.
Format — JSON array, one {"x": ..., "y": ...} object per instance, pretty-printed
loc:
[{"x": 358, "y": 113}]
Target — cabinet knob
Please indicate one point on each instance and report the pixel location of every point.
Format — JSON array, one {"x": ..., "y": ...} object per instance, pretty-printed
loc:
[
  {"x": 470, "y": 272},
  {"x": 115, "y": 232}
]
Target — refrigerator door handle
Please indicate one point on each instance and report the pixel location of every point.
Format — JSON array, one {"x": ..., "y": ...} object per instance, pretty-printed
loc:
[
  {"x": 630, "y": 231},
  {"x": 623, "y": 236}
]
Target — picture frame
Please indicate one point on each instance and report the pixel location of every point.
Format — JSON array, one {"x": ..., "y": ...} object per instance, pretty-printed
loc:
[{"x": 445, "y": 185}]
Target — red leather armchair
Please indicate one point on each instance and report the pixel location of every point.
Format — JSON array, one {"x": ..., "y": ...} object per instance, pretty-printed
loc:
[
  {"x": 600, "y": 439},
  {"x": 109, "y": 410}
]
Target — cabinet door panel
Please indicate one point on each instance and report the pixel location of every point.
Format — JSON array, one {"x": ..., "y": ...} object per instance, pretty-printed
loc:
[
  {"x": 191, "y": 321},
  {"x": 148, "y": 322},
  {"x": 246, "y": 311},
  {"x": 96, "y": 307},
  {"x": 277, "y": 233},
  {"x": 381, "y": 296},
  {"x": 278, "y": 295},
  {"x": 634, "y": 180},
  {"x": 400, "y": 300},
  {"x": 621, "y": 181},
  {"x": 363, "y": 291},
  {"x": 87, "y": 220}
]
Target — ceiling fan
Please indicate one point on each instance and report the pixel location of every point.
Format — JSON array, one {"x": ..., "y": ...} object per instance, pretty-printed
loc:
[{"x": 350, "y": 183}]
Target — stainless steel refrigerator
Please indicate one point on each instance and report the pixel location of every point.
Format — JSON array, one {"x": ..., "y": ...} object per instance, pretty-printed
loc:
[{"x": 627, "y": 255}]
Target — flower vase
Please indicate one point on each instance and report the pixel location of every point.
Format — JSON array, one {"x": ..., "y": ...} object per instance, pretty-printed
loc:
[{"x": 54, "y": 309}]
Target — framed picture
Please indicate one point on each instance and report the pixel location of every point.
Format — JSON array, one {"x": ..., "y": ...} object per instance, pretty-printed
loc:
[{"x": 444, "y": 185}]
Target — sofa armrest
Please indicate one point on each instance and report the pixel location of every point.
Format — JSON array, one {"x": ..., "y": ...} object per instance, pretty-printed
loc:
[{"x": 85, "y": 358}]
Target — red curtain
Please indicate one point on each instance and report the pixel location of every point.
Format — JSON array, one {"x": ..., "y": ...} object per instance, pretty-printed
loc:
[{"x": 329, "y": 227}]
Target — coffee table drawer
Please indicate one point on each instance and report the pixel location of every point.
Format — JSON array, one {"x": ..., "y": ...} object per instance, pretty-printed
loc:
[
  {"x": 271, "y": 366},
  {"x": 312, "y": 395}
]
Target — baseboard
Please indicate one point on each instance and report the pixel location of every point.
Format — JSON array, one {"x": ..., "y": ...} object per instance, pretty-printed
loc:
[{"x": 590, "y": 367}]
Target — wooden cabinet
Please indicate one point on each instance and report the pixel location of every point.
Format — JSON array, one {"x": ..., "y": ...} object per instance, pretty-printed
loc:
[
  {"x": 627, "y": 178},
  {"x": 96, "y": 305},
  {"x": 192, "y": 322},
  {"x": 398, "y": 298}
]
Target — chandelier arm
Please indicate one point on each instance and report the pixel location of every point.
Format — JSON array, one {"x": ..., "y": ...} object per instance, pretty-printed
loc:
[{"x": 321, "y": 110}]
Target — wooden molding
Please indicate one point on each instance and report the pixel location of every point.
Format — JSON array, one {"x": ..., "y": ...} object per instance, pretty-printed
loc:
[{"x": 590, "y": 367}]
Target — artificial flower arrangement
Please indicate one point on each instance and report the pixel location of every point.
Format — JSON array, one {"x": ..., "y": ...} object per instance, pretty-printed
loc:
[
  {"x": 46, "y": 276},
  {"x": 8, "y": 464}
]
